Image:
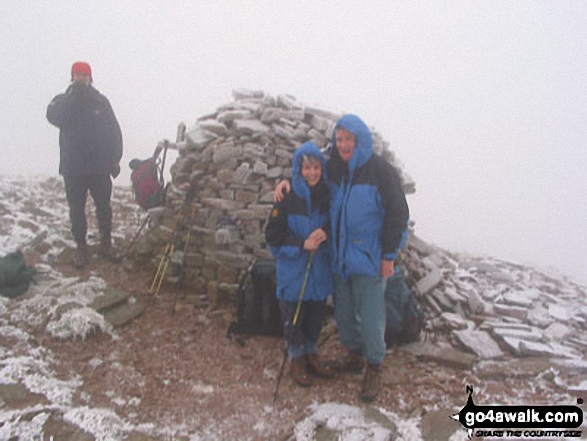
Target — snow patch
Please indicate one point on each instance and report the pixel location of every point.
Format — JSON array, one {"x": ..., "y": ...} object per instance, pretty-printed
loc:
[{"x": 79, "y": 322}]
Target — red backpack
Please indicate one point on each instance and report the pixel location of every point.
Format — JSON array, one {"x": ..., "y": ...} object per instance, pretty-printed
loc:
[{"x": 147, "y": 180}]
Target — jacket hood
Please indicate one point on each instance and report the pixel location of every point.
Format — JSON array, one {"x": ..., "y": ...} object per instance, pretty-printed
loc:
[
  {"x": 363, "y": 140},
  {"x": 298, "y": 182}
]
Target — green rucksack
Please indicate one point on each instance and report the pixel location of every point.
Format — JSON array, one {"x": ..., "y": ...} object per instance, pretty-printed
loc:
[{"x": 15, "y": 275}]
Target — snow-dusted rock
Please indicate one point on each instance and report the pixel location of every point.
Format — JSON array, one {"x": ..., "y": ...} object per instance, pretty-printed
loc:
[{"x": 480, "y": 343}]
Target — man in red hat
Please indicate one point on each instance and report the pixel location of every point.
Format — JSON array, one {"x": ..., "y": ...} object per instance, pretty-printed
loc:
[{"x": 90, "y": 145}]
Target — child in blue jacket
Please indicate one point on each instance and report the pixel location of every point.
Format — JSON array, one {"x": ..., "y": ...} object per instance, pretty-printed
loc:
[{"x": 297, "y": 228}]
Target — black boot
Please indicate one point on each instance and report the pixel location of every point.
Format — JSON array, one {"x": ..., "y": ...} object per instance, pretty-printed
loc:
[
  {"x": 107, "y": 252},
  {"x": 371, "y": 383},
  {"x": 298, "y": 372},
  {"x": 80, "y": 256}
]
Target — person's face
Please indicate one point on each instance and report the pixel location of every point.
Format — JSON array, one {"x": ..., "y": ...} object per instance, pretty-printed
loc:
[
  {"x": 83, "y": 77},
  {"x": 312, "y": 172},
  {"x": 345, "y": 144}
]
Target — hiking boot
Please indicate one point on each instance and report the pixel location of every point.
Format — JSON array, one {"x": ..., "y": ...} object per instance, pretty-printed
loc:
[
  {"x": 352, "y": 362},
  {"x": 371, "y": 383},
  {"x": 80, "y": 256},
  {"x": 298, "y": 372},
  {"x": 316, "y": 367},
  {"x": 107, "y": 252}
]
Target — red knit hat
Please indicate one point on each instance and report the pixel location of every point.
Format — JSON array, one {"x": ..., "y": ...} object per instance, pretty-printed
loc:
[{"x": 81, "y": 67}]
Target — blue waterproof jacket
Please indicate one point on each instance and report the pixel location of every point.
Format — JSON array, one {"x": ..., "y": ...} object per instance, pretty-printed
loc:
[
  {"x": 90, "y": 140},
  {"x": 368, "y": 209},
  {"x": 302, "y": 211}
]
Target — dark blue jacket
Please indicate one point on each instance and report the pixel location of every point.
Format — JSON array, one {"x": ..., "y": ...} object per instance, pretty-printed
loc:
[
  {"x": 292, "y": 220},
  {"x": 90, "y": 140},
  {"x": 368, "y": 209}
]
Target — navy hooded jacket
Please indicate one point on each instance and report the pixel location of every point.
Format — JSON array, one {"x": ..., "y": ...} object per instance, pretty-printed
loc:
[
  {"x": 90, "y": 140},
  {"x": 368, "y": 209},
  {"x": 302, "y": 211}
]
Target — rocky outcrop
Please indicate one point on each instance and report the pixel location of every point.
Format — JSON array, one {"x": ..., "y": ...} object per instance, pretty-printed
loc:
[{"x": 496, "y": 309}]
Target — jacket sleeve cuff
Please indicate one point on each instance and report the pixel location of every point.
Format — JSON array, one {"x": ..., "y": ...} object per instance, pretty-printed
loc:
[{"x": 391, "y": 256}]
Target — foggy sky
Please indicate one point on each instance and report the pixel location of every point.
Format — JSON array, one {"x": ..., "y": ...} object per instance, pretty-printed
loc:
[{"x": 485, "y": 102}]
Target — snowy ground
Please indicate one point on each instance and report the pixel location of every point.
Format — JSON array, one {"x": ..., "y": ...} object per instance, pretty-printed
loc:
[{"x": 178, "y": 377}]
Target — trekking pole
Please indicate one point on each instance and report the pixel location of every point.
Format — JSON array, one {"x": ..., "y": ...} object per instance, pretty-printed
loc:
[
  {"x": 135, "y": 237},
  {"x": 181, "y": 280},
  {"x": 162, "y": 269},
  {"x": 170, "y": 247},
  {"x": 294, "y": 322}
]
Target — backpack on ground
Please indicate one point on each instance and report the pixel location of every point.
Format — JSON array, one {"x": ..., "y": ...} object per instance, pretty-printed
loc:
[
  {"x": 15, "y": 275},
  {"x": 404, "y": 317},
  {"x": 147, "y": 179},
  {"x": 258, "y": 307}
]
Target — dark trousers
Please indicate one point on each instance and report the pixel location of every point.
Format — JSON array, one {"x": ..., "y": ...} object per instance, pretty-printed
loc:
[
  {"x": 303, "y": 337},
  {"x": 76, "y": 192}
]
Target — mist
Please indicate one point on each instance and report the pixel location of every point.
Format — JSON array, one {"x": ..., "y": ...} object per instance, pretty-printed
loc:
[{"x": 484, "y": 102}]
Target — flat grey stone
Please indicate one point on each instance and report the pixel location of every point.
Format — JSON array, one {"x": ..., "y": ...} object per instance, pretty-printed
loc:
[
  {"x": 558, "y": 331},
  {"x": 437, "y": 425},
  {"x": 538, "y": 316},
  {"x": 535, "y": 349},
  {"x": 320, "y": 123},
  {"x": 109, "y": 298},
  {"x": 250, "y": 126},
  {"x": 271, "y": 114},
  {"x": 222, "y": 204},
  {"x": 476, "y": 303},
  {"x": 124, "y": 314},
  {"x": 260, "y": 168},
  {"x": 214, "y": 126},
  {"x": 295, "y": 115},
  {"x": 572, "y": 366},
  {"x": 284, "y": 132},
  {"x": 222, "y": 154},
  {"x": 532, "y": 335},
  {"x": 198, "y": 138},
  {"x": 559, "y": 312},
  {"x": 517, "y": 299},
  {"x": 287, "y": 101},
  {"x": 274, "y": 172},
  {"x": 454, "y": 320},
  {"x": 232, "y": 115},
  {"x": 454, "y": 295},
  {"x": 480, "y": 343},
  {"x": 429, "y": 281},
  {"x": 510, "y": 311},
  {"x": 513, "y": 344},
  {"x": 442, "y": 300}
]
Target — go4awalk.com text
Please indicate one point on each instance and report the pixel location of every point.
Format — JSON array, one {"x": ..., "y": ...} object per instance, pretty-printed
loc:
[{"x": 520, "y": 421}]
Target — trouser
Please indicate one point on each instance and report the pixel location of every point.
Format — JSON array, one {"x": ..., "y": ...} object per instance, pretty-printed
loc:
[
  {"x": 302, "y": 339},
  {"x": 76, "y": 192},
  {"x": 359, "y": 308}
]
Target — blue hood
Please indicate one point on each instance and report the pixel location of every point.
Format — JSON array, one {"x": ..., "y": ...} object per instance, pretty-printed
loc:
[
  {"x": 298, "y": 182},
  {"x": 363, "y": 140}
]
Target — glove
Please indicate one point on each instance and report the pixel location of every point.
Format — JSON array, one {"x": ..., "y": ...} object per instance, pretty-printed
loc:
[
  {"x": 78, "y": 88},
  {"x": 115, "y": 171}
]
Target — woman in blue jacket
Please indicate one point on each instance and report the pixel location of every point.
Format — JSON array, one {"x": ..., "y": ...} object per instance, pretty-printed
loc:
[{"x": 297, "y": 227}]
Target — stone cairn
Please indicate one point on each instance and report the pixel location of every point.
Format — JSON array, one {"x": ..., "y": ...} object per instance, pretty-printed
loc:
[{"x": 234, "y": 158}]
